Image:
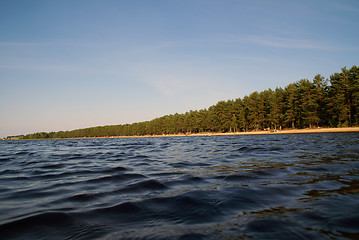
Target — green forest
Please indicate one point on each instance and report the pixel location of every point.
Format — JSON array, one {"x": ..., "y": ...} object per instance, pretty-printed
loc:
[{"x": 332, "y": 102}]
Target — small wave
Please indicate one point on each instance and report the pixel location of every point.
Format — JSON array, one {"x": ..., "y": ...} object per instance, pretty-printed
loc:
[
  {"x": 164, "y": 174},
  {"x": 51, "y": 225},
  {"x": 254, "y": 175},
  {"x": 243, "y": 149},
  {"x": 238, "y": 177},
  {"x": 123, "y": 208},
  {"x": 265, "y": 172},
  {"x": 24, "y": 153},
  {"x": 83, "y": 197},
  {"x": 181, "y": 164},
  {"x": 92, "y": 171},
  {"x": 53, "y": 166},
  {"x": 113, "y": 170},
  {"x": 276, "y": 149},
  {"x": 76, "y": 156},
  {"x": 53, "y": 176},
  {"x": 139, "y": 156},
  {"x": 187, "y": 179},
  {"x": 259, "y": 150},
  {"x": 251, "y": 149},
  {"x": 119, "y": 177},
  {"x": 144, "y": 186},
  {"x": 137, "y": 144},
  {"x": 188, "y": 208},
  {"x": 194, "y": 179},
  {"x": 42, "y": 222},
  {"x": 276, "y": 229},
  {"x": 194, "y": 236},
  {"x": 16, "y": 178},
  {"x": 10, "y": 172},
  {"x": 5, "y": 159}
]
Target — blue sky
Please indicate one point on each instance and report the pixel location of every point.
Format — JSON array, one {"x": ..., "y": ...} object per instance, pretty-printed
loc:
[{"x": 72, "y": 64}]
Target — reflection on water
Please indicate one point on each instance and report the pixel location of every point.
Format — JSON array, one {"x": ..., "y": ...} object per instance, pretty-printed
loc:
[{"x": 302, "y": 186}]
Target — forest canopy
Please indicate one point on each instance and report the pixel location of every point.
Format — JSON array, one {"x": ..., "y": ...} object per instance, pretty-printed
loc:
[{"x": 332, "y": 102}]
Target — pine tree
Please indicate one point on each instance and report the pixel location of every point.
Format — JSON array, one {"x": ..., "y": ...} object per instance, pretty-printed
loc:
[{"x": 291, "y": 109}]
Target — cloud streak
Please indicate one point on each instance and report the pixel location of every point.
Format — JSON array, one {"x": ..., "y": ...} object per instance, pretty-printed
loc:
[
  {"x": 285, "y": 42},
  {"x": 240, "y": 40}
]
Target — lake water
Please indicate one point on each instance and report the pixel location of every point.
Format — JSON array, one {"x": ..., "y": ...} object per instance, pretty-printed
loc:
[{"x": 300, "y": 186}]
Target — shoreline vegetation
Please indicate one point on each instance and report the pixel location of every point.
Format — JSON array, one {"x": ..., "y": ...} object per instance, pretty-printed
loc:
[
  {"x": 262, "y": 132},
  {"x": 266, "y": 132},
  {"x": 320, "y": 105}
]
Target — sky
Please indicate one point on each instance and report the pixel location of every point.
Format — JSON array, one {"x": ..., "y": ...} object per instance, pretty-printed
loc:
[{"x": 73, "y": 64}]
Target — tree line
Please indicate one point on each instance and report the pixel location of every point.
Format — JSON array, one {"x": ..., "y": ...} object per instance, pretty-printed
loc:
[{"x": 332, "y": 102}]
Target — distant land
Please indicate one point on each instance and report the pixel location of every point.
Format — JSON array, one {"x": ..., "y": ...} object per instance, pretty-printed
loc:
[{"x": 304, "y": 106}]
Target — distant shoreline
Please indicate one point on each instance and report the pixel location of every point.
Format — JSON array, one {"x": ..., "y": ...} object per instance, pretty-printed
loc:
[{"x": 286, "y": 131}]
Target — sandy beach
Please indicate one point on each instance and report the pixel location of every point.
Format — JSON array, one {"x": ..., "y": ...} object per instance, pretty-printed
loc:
[{"x": 285, "y": 131}]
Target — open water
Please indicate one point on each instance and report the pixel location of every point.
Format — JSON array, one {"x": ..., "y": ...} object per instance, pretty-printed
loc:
[{"x": 300, "y": 186}]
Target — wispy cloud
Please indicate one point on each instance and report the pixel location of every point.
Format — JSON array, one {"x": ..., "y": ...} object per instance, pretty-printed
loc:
[
  {"x": 55, "y": 43},
  {"x": 180, "y": 80},
  {"x": 20, "y": 44},
  {"x": 341, "y": 5},
  {"x": 282, "y": 42},
  {"x": 178, "y": 44},
  {"x": 39, "y": 67},
  {"x": 215, "y": 42},
  {"x": 177, "y": 84}
]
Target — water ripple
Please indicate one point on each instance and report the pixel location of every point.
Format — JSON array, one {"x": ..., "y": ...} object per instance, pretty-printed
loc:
[{"x": 303, "y": 186}]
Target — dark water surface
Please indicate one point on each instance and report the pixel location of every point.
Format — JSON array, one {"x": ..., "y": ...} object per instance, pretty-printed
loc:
[{"x": 302, "y": 186}]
